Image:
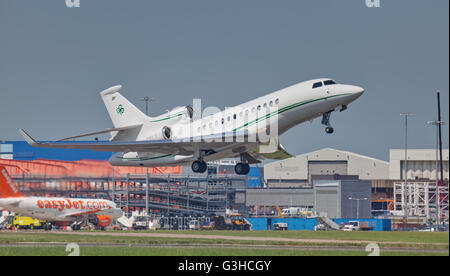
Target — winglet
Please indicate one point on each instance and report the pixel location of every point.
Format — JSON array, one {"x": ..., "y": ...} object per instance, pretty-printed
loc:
[{"x": 28, "y": 138}]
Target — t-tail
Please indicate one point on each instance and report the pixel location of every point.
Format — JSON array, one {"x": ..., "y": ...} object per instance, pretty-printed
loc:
[
  {"x": 122, "y": 112},
  {"x": 8, "y": 188}
]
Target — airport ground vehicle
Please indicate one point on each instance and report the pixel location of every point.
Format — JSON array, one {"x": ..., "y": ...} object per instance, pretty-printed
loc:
[
  {"x": 357, "y": 226},
  {"x": 19, "y": 222},
  {"x": 297, "y": 212},
  {"x": 140, "y": 223},
  {"x": 283, "y": 226},
  {"x": 231, "y": 222},
  {"x": 207, "y": 225},
  {"x": 350, "y": 228},
  {"x": 194, "y": 225}
]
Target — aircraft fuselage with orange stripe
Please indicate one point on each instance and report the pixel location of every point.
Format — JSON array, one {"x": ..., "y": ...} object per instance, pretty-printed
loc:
[{"x": 52, "y": 208}]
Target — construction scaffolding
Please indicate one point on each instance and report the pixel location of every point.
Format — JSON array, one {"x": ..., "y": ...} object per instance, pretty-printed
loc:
[
  {"x": 159, "y": 194},
  {"x": 422, "y": 200}
]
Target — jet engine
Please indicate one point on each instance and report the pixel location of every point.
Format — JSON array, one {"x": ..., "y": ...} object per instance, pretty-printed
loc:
[
  {"x": 103, "y": 221},
  {"x": 163, "y": 133},
  {"x": 182, "y": 113}
]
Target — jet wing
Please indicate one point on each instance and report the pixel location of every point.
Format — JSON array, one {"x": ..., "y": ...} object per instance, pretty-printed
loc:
[
  {"x": 186, "y": 146},
  {"x": 79, "y": 213},
  {"x": 280, "y": 154},
  {"x": 271, "y": 150}
]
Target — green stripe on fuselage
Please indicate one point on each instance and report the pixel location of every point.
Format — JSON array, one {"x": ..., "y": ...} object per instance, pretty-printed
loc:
[
  {"x": 287, "y": 108},
  {"x": 145, "y": 158},
  {"x": 169, "y": 117}
]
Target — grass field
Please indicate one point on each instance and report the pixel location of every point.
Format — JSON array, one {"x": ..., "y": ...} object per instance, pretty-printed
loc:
[
  {"x": 419, "y": 237},
  {"x": 120, "y": 251},
  {"x": 208, "y": 243}
]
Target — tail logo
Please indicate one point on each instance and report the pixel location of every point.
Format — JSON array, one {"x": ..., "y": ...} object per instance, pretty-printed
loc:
[
  {"x": 120, "y": 109},
  {"x": 9, "y": 181}
]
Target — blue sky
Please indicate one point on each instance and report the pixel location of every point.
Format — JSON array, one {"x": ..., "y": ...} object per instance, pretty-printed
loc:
[{"x": 54, "y": 61}]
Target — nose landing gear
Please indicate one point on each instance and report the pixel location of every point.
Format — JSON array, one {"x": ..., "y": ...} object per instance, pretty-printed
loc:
[
  {"x": 326, "y": 121},
  {"x": 329, "y": 130}
]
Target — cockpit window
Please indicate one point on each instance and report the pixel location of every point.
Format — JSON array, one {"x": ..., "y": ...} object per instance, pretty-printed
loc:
[
  {"x": 317, "y": 84},
  {"x": 329, "y": 82}
]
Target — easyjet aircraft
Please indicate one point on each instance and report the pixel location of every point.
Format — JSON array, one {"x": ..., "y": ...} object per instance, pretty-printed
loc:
[
  {"x": 182, "y": 137},
  {"x": 55, "y": 209}
]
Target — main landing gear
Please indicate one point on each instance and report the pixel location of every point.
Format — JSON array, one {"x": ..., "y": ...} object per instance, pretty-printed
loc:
[
  {"x": 326, "y": 121},
  {"x": 199, "y": 166},
  {"x": 242, "y": 168}
]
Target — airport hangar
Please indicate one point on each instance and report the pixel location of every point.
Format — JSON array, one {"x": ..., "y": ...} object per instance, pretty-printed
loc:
[
  {"x": 350, "y": 179},
  {"x": 333, "y": 182}
]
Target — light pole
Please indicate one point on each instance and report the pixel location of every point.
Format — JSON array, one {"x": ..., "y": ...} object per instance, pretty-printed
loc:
[
  {"x": 146, "y": 99},
  {"x": 405, "y": 195},
  {"x": 437, "y": 123},
  {"x": 357, "y": 204}
]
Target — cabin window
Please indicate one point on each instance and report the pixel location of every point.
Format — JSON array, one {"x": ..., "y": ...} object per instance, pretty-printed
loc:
[
  {"x": 277, "y": 101},
  {"x": 259, "y": 107},
  {"x": 271, "y": 103},
  {"x": 234, "y": 116},
  {"x": 317, "y": 84},
  {"x": 329, "y": 82}
]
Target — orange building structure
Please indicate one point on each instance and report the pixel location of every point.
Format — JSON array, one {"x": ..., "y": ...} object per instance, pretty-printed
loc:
[{"x": 82, "y": 168}]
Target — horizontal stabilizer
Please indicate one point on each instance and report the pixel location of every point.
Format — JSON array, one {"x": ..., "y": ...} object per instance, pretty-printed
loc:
[{"x": 28, "y": 138}]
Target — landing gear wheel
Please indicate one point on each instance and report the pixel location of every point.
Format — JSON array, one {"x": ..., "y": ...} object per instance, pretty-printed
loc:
[
  {"x": 326, "y": 121},
  {"x": 199, "y": 166},
  {"x": 242, "y": 169}
]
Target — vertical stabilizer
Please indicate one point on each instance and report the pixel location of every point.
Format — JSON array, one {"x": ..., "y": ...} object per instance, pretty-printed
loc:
[
  {"x": 7, "y": 186},
  {"x": 122, "y": 112}
]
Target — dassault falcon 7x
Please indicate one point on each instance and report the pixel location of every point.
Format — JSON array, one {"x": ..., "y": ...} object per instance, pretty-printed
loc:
[
  {"x": 248, "y": 131},
  {"x": 54, "y": 209}
]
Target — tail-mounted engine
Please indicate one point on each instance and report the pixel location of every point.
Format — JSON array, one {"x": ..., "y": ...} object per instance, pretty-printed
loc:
[
  {"x": 178, "y": 114},
  {"x": 163, "y": 133}
]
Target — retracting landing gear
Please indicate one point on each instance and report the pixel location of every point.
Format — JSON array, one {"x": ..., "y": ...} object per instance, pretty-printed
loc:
[
  {"x": 326, "y": 121},
  {"x": 242, "y": 168}
]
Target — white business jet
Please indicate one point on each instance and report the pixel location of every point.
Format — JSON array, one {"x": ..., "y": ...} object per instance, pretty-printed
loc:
[{"x": 249, "y": 131}]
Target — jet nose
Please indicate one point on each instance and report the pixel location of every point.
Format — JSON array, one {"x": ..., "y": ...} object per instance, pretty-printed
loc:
[{"x": 356, "y": 90}]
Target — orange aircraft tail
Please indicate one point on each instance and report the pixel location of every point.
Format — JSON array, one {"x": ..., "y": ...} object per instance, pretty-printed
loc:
[{"x": 7, "y": 186}]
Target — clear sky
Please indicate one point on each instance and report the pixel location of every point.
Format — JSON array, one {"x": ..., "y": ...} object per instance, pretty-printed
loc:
[{"x": 54, "y": 61}]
